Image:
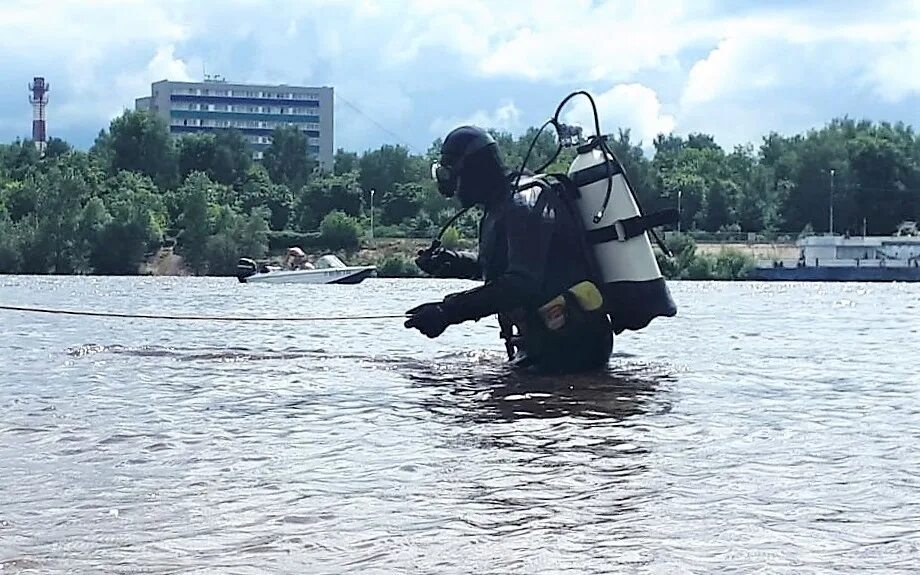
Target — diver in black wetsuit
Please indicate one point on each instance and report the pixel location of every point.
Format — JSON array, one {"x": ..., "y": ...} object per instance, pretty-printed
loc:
[{"x": 538, "y": 273}]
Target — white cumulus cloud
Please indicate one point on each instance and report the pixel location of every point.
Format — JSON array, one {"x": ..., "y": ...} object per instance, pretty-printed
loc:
[
  {"x": 628, "y": 106},
  {"x": 506, "y": 117},
  {"x": 414, "y": 67}
]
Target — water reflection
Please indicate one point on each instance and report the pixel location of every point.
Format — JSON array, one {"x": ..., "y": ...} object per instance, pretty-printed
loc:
[
  {"x": 476, "y": 387},
  {"x": 484, "y": 388}
]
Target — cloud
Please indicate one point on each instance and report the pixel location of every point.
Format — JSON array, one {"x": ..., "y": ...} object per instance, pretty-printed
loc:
[
  {"x": 506, "y": 117},
  {"x": 86, "y": 50},
  {"x": 787, "y": 50},
  {"x": 734, "y": 69},
  {"x": 582, "y": 40},
  {"x": 628, "y": 106},
  {"x": 895, "y": 74}
]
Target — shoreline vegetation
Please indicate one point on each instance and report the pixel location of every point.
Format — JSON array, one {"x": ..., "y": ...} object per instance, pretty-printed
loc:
[
  {"x": 394, "y": 259},
  {"x": 142, "y": 202}
]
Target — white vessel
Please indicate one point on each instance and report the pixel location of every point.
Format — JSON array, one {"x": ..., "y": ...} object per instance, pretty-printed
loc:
[
  {"x": 841, "y": 258},
  {"x": 327, "y": 270}
]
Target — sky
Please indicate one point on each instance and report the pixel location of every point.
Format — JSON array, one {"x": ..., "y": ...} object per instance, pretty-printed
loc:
[{"x": 407, "y": 71}]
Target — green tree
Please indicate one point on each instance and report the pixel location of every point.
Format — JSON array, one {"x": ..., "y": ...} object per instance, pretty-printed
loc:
[
  {"x": 9, "y": 245},
  {"x": 136, "y": 226},
  {"x": 324, "y": 194},
  {"x": 18, "y": 159},
  {"x": 196, "y": 153},
  {"x": 401, "y": 202},
  {"x": 288, "y": 159},
  {"x": 257, "y": 190},
  {"x": 56, "y": 148},
  {"x": 139, "y": 141},
  {"x": 382, "y": 169},
  {"x": 345, "y": 162},
  {"x": 636, "y": 166},
  {"x": 193, "y": 222},
  {"x": 235, "y": 236},
  {"x": 232, "y": 158}
]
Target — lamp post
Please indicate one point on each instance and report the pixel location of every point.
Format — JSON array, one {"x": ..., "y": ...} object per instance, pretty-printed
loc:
[
  {"x": 830, "y": 225},
  {"x": 679, "y": 193},
  {"x": 372, "y": 214}
]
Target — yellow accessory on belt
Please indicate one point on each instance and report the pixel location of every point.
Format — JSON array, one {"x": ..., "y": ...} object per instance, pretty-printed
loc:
[{"x": 587, "y": 295}]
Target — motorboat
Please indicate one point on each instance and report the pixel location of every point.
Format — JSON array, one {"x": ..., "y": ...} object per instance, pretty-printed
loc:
[{"x": 327, "y": 270}]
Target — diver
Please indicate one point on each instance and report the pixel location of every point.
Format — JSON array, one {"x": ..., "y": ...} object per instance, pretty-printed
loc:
[{"x": 539, "y": 277}]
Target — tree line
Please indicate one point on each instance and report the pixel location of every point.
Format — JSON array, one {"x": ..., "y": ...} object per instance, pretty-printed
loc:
[{"x": 137, "y": 189}]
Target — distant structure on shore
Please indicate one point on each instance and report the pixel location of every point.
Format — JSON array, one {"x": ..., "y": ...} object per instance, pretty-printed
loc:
[
  {"x": 842, "y": 258},
  {"x": 253, "y": 109},
  {"x": 38, "y": 97}
]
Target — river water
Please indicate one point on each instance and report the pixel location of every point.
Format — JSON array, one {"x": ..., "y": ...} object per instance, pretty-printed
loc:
[{"x": 769, "y": 427}]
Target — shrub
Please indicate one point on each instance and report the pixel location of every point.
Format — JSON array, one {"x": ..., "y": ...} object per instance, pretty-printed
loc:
[
  {"x": 732, "y": 264},
  {"x": 398, "y": 266},
  {"x": 700, "y": 268},
  {"x": 451, "y": 238},
  {"x": 340, "y": 232}
]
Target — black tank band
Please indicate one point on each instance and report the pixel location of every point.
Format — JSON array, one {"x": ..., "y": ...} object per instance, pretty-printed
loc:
[
  {"x": 629, "y": 228},
  {"x": 595, "y": 173}
]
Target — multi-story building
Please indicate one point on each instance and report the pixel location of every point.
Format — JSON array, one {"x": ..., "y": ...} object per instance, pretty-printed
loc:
[{"x": 254, "y": 110}]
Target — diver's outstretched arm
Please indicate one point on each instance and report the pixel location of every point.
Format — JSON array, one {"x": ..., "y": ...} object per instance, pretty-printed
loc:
[
  {"x": 528, "y": 240},
  {"x": 443, "y": 263}
]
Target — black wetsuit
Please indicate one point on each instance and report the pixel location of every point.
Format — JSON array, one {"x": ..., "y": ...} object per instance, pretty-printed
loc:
[{"x": 531, "y": 249}]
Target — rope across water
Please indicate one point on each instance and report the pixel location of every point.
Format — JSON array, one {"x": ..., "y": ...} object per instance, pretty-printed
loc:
[{"x": 194, "y": 317}]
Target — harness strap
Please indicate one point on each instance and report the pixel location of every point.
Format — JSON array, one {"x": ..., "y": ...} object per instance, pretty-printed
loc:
[{"x": 628, "y": 228}]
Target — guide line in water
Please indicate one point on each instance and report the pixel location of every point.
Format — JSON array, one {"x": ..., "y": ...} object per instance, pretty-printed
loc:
[{"x": 194, "y": 317}]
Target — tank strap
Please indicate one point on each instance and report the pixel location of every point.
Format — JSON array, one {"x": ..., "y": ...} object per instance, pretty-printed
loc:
[
  {"x": 569, "y": 189},
  {"x": 629, "y": 228}
]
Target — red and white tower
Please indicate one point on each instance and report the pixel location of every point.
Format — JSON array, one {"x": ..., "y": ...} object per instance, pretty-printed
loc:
[{"x": 38, "y": 97}]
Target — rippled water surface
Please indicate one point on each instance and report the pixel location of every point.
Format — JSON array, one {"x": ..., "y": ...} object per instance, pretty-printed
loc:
[{"x": 769, "y": 427}]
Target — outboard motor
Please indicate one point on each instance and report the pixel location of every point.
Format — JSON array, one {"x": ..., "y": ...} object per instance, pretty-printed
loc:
[{"x": 245, "y": 267}]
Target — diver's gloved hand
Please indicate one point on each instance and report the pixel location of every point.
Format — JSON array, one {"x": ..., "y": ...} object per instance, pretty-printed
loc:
[
  {"x": 441, "y": 262},
  {"x": 429, "y": 318},
  {"x": 433, "y": 261}
]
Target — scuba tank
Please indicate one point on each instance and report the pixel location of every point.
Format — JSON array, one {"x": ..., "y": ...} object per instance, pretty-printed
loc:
[{"x": 634, "y": 290}]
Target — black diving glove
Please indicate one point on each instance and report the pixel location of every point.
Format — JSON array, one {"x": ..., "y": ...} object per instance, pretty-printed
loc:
[
  {"x": 429, "y": 318},
  {"x": 447, "y": 263}
]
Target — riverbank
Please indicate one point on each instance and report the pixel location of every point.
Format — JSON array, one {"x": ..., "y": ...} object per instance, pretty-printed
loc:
[{"x": 394, "y": 257}]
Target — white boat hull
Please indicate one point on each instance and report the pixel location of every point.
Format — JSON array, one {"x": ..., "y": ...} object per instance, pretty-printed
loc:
[{"x": 345, "y": 275}]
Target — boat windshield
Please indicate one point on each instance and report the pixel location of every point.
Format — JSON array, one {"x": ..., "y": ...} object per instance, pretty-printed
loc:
[{"x": 329, "y": 261}]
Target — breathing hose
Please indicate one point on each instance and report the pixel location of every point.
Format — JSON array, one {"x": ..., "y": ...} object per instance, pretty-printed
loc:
[{"x": 598, "y": 140}]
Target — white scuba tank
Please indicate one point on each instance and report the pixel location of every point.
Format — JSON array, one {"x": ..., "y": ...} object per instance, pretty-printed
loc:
[{"x": 634, "y": 290}]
